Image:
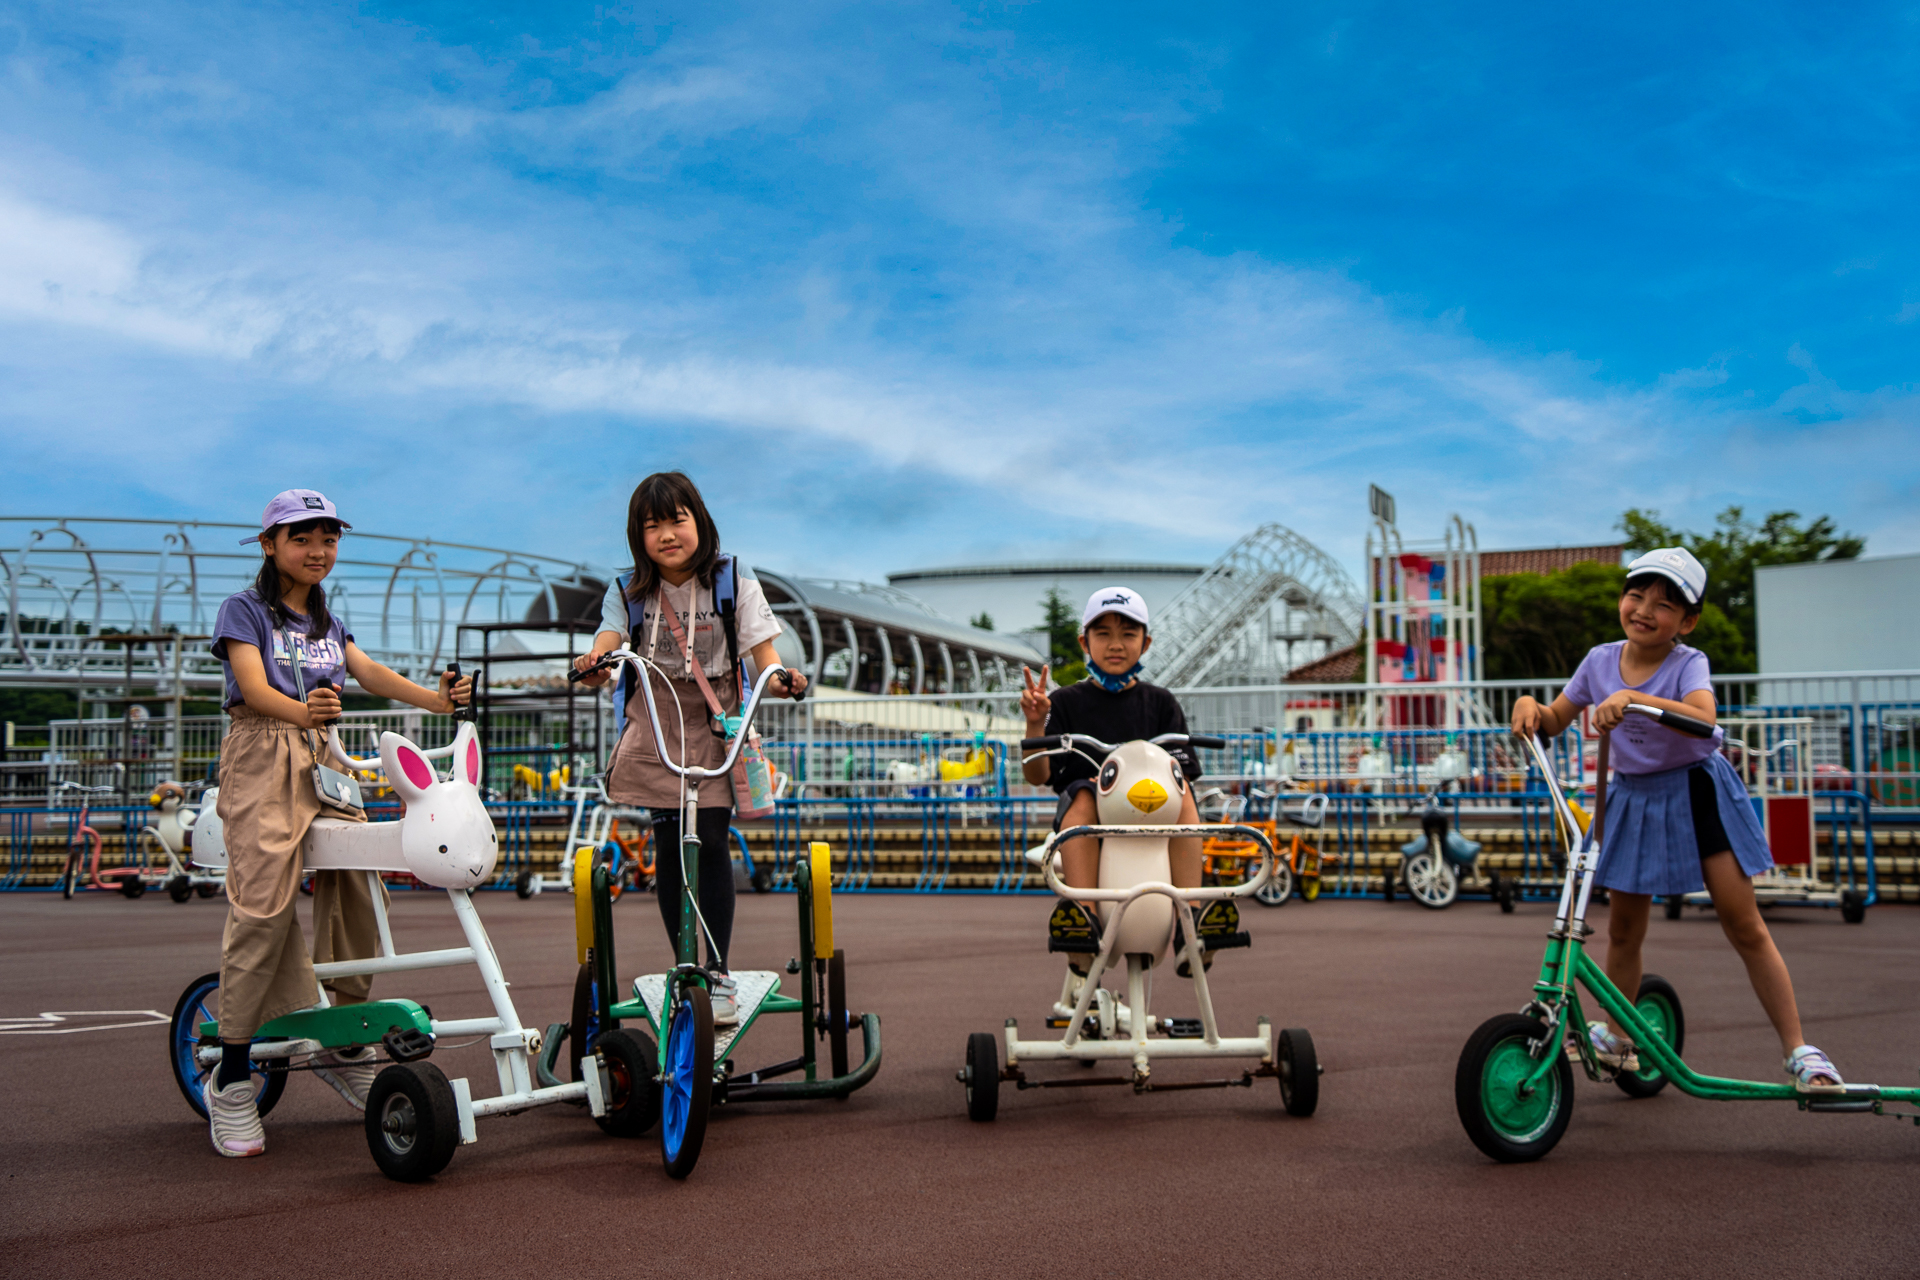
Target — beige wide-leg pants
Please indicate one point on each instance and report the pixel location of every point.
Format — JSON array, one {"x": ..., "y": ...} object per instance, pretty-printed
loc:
[{"x": 267, "y": 803}]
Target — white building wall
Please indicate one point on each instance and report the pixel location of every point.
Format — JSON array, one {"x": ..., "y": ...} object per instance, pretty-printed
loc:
[
  {"x": 1839, "y": 615},
  {"x": 1011, "y": 594}
]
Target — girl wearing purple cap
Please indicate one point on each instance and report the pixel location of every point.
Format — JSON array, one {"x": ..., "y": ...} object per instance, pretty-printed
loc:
[
  {"x": 1678, "y": 816},
  {"x": 267, "y": 802}
]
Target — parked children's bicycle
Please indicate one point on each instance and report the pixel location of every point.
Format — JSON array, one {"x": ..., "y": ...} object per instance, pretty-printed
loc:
[
  {"x": 1513, "y": 1086},
  {"x": 82, "y": 869}
]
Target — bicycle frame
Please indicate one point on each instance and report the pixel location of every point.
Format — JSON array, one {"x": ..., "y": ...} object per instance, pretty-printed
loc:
[{"x": 1567, "y": 966}]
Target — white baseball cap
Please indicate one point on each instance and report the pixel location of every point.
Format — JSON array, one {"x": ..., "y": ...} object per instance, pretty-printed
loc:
[
  {"x": 1677, "y": 565},
  {"x": 1120, "y": 600}
]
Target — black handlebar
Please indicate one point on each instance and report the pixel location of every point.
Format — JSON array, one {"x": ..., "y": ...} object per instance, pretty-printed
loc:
[
  {"x": 327, "y": 684},
  {"x": 1206, "y": 740},
  {"x": 1674, "y": 720}
]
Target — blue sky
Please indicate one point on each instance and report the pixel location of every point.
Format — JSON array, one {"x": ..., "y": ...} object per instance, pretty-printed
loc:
[{"x": 913, "y": 284}]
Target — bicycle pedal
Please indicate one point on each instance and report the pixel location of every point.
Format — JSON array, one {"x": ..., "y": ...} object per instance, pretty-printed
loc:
[
  {"x": 407, "y": 1044},
  {"x": 1183, "y": 1028}
]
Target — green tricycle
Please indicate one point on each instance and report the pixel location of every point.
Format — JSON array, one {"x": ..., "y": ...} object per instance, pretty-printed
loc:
[
  {"x": 681, "y": 1066},
  {"x": 1513, "y": 1087}
]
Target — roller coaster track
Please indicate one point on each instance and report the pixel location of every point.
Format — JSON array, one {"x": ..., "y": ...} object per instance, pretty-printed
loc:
[{"x": 1193, "y": 632}]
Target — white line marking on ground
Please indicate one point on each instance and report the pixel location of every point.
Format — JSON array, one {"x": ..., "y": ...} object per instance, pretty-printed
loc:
[{"x": 46, "y": 1024}]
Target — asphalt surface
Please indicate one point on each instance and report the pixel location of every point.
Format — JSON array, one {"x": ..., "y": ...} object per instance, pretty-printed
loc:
[{"x": 107, "y": 1172}]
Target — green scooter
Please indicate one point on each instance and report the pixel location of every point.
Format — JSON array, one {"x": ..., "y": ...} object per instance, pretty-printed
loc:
[{"x": 1513, "y": 1087}]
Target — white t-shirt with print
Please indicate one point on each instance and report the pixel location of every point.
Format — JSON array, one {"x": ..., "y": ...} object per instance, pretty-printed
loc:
[{"x": 753, "y": 617}]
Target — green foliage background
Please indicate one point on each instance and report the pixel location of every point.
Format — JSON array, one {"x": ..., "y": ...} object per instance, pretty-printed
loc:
[{"x": 1541, "y": 625}]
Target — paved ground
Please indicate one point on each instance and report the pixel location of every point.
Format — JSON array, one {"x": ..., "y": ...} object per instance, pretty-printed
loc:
[{"x": 108, "y": 1173}]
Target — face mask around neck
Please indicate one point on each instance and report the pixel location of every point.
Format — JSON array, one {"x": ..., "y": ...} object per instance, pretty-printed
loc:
[{"x": 1112, "y": 683}]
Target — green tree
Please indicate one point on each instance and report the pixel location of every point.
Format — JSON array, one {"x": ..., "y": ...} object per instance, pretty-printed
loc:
[
  {"x": 1063, "y": 638},
  {"x": 1539, "y": 626},
  {"x": 984, "y": 621},
  {"x": 1731, "y": 553}
]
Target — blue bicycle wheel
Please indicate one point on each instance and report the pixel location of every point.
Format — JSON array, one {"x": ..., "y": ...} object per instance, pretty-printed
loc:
[
  {"x": 686, "y": 1093},
  {"x": 194, "y": 1007}
]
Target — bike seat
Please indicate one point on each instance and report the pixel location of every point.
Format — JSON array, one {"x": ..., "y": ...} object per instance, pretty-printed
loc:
[{"x": 1311, "y": 814}]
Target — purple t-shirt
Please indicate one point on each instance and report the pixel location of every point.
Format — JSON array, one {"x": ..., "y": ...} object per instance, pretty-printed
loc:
[
  {"x": 244, "y": 617},
  {"x": 1641, "y": 745}
]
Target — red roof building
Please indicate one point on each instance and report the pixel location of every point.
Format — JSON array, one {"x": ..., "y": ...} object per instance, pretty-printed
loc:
[{"x": 1547, "y": 559}]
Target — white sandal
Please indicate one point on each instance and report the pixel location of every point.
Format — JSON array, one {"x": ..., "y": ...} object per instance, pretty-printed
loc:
[{"x": 1807, "y": 1064}]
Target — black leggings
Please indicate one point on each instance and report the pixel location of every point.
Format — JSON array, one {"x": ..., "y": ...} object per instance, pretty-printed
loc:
[{"x": 716, "y": 874}]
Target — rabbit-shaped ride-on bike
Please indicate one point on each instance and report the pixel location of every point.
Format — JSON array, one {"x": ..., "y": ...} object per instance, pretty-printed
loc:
[{"x": 415, "y": 1116}]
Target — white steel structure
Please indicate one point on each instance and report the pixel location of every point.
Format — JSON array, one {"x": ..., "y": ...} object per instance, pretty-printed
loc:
[{"x": 1423, "y": 622}]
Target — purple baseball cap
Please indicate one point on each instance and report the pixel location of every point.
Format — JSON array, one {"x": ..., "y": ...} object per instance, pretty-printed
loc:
[{"x": 296, "y": 506}]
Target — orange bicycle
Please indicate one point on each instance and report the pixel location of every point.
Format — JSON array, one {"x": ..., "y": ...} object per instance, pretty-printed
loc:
[{"x": 1296, "y": 863}]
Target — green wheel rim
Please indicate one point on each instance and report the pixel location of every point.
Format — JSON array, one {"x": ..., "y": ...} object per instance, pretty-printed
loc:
[
  {"x": 1658, "y": 1014},
  {"x": 1517, "y": 1117}
]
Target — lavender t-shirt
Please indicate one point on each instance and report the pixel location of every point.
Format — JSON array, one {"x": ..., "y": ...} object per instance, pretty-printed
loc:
[
  {"x": 244, "y": 617},
  {"x": 1641, "y": 745}
]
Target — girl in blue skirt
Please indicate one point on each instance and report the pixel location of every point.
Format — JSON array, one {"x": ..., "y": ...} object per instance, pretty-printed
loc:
[{"x": 1678, "y": 817}]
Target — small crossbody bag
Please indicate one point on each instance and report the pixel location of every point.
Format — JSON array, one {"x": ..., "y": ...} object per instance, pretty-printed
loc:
[
  {"x": 752, "y": 772},
  {"x": 337, "y": 791}
]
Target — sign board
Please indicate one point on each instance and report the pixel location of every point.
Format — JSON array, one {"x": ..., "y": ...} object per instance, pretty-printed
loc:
[{"x": 1380, "y": 503}]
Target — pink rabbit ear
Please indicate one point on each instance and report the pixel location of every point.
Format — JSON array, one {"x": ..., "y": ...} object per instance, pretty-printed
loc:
[
  {"x": 415, "y": 766},
  {"x": 473, "y": 762}
]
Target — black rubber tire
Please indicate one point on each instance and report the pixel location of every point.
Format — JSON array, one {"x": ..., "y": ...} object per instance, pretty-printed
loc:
[
  {"x": 1386, "y": 884},
  {"x": 1493, "y": 1046},
  {"x": 412, "y": 1121},
  {"x": 1674, "y": 904},
  {"x": 180, "y": 889},
  {"x": 697, "y": 1005},
  {"x": 70, "y": 876},
  {"x": 1299, "y": 1072},
  {"x": 983, "y": 1076},
  {"x": 762, "y": 879},
  {"x": 1657, "y": 992},
  {"x": 523, "y": 884},
  {"x": 1853, "y": 907},
  {"x": 189, "y": 1077},
  {"x": 633, "y": 1098},
  {"x": 133, "y": 887},
  {"x": 1506, "y": 894},
  {"x": 837, "y": 1013},
  {"x": 206, "y": 890},
  {"x": 585, "y": 1024}
]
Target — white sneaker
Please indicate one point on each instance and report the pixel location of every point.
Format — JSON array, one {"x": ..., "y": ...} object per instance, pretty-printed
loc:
[
  {"x": 232, "y": 1118},
  {"x": 725, "y": 996},
  {"x": 1612, "y": 1050},
  {"x": 351, "y": 1075}
]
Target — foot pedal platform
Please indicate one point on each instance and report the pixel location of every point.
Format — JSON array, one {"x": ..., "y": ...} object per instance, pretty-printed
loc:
[
  {"x": 408, "y": 1044},
  {"x": 1183, "y": 1028},
  {"x": 1072, "y": 930}
]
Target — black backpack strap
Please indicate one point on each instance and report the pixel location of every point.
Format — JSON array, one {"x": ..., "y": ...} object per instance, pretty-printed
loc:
[
  {"x": 726, "y": 594},
  {"x": 635, "y": 610}
]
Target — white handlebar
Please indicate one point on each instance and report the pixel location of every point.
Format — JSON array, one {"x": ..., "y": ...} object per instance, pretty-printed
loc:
[{"x": 626, "y": 654}]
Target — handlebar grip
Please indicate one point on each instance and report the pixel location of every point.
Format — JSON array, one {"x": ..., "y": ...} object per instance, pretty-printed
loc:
[
  {"x": 325, "y": 683},
  {"x": 1207, "y": 740},
  {"x": 1047, "y": 743},
  {"x": 786, "y": 678},
  {"x": 1685, "y": 724}
]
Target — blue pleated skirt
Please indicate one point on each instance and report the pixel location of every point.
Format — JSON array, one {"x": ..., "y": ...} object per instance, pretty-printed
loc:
[{"x": 1648, "y": 844}]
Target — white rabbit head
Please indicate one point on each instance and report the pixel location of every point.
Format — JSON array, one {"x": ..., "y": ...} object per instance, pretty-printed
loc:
[
  {"x": 1139, "y": 783},
  {"x": 447, "y": 837}
]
